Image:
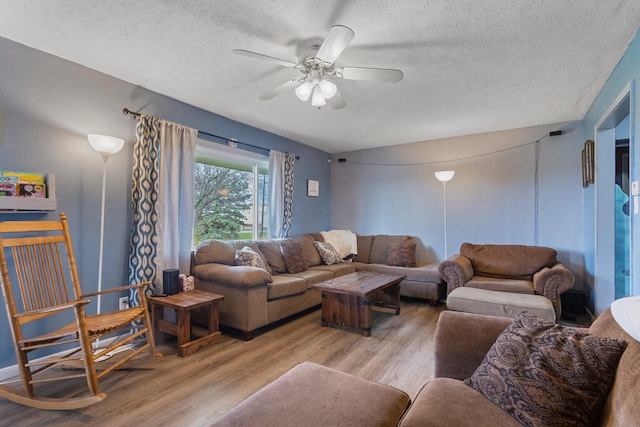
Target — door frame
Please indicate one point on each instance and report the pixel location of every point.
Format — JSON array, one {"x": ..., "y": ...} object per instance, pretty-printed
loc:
[{"x": 604, "y": 198}]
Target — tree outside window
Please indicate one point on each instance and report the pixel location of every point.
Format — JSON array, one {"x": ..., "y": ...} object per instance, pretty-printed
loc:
[{"x": 230, "y": 200}]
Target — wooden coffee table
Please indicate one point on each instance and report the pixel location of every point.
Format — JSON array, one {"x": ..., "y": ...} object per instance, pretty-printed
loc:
[
  {"x": 347, "y": 300},
  {"x": 183, "y": 303}
]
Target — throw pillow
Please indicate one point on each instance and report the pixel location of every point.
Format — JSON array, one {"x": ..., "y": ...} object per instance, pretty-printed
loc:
[
  {"x": 272, "y": 252},
  {"x": 328, "y": 253},
  {"x": 250, "y": 258},
  {"x": 364, "y": 244},
  {"x": 543, "y": 374},
  {"x": 402, "y": 254},
  {"x": 293, "y": 256}
]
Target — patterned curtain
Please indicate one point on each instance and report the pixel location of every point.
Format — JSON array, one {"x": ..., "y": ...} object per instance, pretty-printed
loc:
[
  {"x": 162, "y": 197},
  {"x": 146, "y": 185},
  {"x": 281, "y": 166}
]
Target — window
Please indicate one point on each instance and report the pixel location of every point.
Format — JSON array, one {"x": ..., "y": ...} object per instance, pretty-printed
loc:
[{"x": 230, "y": 194}]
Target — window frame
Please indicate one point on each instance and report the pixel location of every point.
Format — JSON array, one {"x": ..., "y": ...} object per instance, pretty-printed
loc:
[{"x": 256, "y": 161}]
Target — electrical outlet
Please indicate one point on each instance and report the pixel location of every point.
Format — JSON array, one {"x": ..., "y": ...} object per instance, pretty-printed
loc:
[{"x": 123, "y": 303}]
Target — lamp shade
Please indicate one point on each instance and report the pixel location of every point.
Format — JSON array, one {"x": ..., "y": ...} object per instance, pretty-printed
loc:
[
  {"x": 105, "y": 145},
  {"x": 303, "y": 92},
  {"x": 317, "y": 100},
  {"x": 328, "y": 88},
  {"x": 444, "y": 176}
]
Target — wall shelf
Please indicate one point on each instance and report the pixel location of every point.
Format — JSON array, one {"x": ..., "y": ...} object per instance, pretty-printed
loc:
[{"x": 34, "y": 205}]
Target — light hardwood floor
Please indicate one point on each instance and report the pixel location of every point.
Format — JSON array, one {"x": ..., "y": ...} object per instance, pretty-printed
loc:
[{"x": 196, "y": 390}]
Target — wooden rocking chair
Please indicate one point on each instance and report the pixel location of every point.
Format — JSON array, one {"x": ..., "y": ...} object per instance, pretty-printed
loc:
[{"x": 42, "y": 263}]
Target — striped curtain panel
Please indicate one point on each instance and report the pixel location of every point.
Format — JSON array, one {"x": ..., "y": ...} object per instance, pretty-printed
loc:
[
  {"x": 281, "y": 166},
  {"x": 162, "y": 197}
]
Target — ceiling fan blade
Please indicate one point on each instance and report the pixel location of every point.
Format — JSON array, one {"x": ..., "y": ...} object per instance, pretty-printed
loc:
[
  {"x": 279, "y": 89},
  {"x": 262, "y": 57},
  {"x": 372, "y": 74},
  {"x": 336, "y": 102},
  {"x": 336, "y": 42}
]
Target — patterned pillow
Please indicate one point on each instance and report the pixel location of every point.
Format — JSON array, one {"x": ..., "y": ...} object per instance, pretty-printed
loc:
[
  {"x": 402, "y": 254},
  {"x": 328, "y": 253},
  {"x": 250, "y": 258},
  {"x": 543, "y": 374},
  {"x": 293, "y": 256}
]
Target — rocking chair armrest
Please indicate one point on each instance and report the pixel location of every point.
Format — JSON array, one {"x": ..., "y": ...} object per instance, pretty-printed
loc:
[
  {"x": 118, "y": 289},
  {"x": 37, "y": 314}
]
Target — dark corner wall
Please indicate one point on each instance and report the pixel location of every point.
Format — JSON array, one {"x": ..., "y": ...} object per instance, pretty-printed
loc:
[{"x": 48, "y": 106}]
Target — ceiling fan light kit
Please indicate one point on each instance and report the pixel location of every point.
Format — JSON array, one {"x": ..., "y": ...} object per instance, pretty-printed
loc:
[
  {"x": 314, "y": 83},
  {"x": 303, "y": 92},
  {"x": 318, "y": 100},
  {"x": 321, "y": 90},
  {"x": 327, "y": 88}
]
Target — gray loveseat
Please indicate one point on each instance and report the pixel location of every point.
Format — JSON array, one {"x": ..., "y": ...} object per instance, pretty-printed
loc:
[{"x": 256, "y": 297}]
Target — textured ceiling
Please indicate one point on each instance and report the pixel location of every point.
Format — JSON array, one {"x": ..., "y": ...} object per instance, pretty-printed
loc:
[{"x": 470, "y": 66}]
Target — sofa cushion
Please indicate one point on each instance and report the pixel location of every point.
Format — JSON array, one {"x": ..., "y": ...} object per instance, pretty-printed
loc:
[
  {"x": 249, "y": 258},
  {"x": 402, "y": 255},
  {"x": 514, "y": 261},
  {"x": 312, "y": 395},
  {"x": 381, "y": 242},
  {"x": 316, "y": 237},
  {"x": 502, "y": 304},
  {"x": 215, "y": 251},
  {"x": 273, "y": 253},
  {"x": 224, "y": 252},
  {"x": 328, "y": 253},
  {"x": 544, "y": 374},
  {"x": 284, "y": 285},
  {"x": 516, "y": 286},
  {"x": 446, "y": 402},
  {"x": 337, "y": 269},
  {"x": 293, "y": 256},
  {"x": 314, "y": 275},
  {"x": 424, "y": 273},
  {"x": 364, "y": 248},
  {"x": 621, "y": 407},
  {"x": 309, "y": 252},
  {"x": 232, "y": 275}
]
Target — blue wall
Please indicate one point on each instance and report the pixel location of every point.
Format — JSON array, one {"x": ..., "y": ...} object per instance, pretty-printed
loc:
[
  {"x": 507, "y": 189},
  {"x": 49, "y": 105}
]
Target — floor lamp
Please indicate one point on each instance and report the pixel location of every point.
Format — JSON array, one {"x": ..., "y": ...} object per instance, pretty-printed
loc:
[
  {"x": 444, "y": 177},
  {"x": 106, "y": 146}
]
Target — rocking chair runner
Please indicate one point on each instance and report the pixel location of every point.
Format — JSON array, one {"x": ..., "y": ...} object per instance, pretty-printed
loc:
[{"x": 46, "y": 286}]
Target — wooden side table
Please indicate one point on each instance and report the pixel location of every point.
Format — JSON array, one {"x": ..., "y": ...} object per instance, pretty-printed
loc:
[{"x": 183, "y": 303}]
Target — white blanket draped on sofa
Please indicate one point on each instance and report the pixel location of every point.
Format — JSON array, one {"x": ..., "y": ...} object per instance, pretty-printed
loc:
[{"x": 345, "y": 241}]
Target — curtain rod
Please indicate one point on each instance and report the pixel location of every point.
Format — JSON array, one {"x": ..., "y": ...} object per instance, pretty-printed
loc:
[{"x": 230, "y": 141}]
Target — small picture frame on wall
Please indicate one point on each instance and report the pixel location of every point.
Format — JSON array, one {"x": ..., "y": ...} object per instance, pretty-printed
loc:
[
  {"x": 588, "y": 164},
  {"x": 313, "y": 188}
]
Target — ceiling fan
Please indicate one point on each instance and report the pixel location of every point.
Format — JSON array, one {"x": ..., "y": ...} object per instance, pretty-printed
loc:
[{"x": 317, "y": 71}]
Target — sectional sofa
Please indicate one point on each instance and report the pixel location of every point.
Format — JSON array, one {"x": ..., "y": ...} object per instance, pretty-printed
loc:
[
  {"x": 314, "y": 395},
  {"x": 256, "y": 296}
]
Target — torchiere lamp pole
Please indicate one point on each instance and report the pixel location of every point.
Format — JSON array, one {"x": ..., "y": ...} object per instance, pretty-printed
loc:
[
  {"x": 106, "y": 146},
  {"x": 444, "y": 177}
]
